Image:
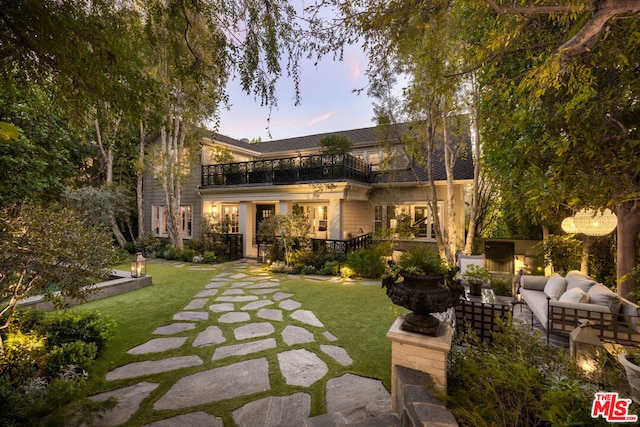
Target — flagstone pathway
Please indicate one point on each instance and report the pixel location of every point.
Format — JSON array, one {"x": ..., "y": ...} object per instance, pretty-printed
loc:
[{"x": 249, "y": 300}]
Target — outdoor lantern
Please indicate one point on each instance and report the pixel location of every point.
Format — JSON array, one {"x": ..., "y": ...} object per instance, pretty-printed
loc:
[
  {"x": 583, "y": 345},
  {"x": 138, "y": 266},
  {"x": 592, "y": 223},
  {"x": 568, "y": 226}
]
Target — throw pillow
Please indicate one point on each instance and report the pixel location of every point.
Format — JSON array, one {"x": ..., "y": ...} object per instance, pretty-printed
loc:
[
  {"x": 556, "y": 285},
  {"x": 575, "y": 295},
  {"x": 601, "y": 295},
  {"x": 576, "y": 279}
]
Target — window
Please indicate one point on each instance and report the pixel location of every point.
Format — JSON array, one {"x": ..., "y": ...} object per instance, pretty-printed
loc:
[
  {"x": 231, "y": 218},
  {"x": 159, "y": 221},
  {"x": 389, "y": 216}
]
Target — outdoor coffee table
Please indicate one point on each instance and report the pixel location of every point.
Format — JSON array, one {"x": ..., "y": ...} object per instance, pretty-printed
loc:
[{"x": 479, "y": 313}]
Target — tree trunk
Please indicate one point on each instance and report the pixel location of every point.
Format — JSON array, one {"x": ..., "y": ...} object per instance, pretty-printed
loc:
[
  {"x": 628, "y": 227},
  {"x": 449, "y": 162},
  {"x": 140, "y": 183},
  {"x": 107, "y": 157},
  {"x": 473, "y": 215},
  {"x": 172, "y": 161}
]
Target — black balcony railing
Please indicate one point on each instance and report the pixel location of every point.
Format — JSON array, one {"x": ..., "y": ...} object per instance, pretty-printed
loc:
[
  {"x": 342, "y": 246},
  {"x": 289, "y": 170}
]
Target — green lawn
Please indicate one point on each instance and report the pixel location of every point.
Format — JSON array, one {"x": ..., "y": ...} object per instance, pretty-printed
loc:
[{"x": 358, "y": 315}]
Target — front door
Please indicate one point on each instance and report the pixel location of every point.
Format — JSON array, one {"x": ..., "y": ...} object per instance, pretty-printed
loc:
[{"x": 263, "y": 212}]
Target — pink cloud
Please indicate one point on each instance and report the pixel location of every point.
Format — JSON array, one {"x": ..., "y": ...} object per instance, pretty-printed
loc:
[
  {"x": 353, "y": 60},
  {"x": 321, "y": 118}
]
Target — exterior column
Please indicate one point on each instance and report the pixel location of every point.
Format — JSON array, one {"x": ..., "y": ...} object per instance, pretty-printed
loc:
[
  {"x": 245, "y": 228},
  {"x": 335, "y": 219}
]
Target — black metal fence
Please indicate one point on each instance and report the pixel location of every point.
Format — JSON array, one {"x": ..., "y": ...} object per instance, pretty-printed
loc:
[
  {"x": 342, "y": 246},
  {"x": 232, "y": 244},
  {"x": 289, "y": 170}
]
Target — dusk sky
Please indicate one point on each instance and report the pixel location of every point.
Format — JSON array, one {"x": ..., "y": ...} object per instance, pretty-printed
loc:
[{"x": 328, "y": 103}]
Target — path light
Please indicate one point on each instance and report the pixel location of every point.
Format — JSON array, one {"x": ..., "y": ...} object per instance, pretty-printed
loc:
[
  {"x": 583, "y": 345},
  {"x": 138, "y": 265},
  {"x": 568, "y": 226},
  {"x": 593, "y": 223}
]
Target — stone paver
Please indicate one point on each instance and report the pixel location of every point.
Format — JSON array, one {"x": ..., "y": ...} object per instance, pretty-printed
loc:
[
  {"x": 237, "y": 298},
  {"x": 350, "y": 393},
  {"x": 234, "y": 317},
  {"x": 290, "y": 304},
  {"x": 210, "y": 336},
  {"x": 274, "y": 411},
  {"x": 253, "y": 330},
  {"x": 244, "y": 348},
  {"x": 215, "y": 285},
  {"x": 338, "y": 353},
  {"x": 306, "y": 316},
  {"x": 158, "y": 345},
  {"x": 206, "y": 293},
  {"x": 233, "y": 292},
  {"x": 301, "y": 367},
  {"x": 270, "y": 314},
  {"x": 240, "y": 284},
  {"x": 174, "y": 328},
  {"x": 281, "y": 295},
  {"x": 148, "y": 367},
  {"x": 329, "y": 336},
  {"x": 256, "y": 305},
  {"x": 263, "y": 285},
  {"x": 263, "y": 291},
  {"x": 293, "y": 335},
  {"x": 191, "y": 315},
  {"x": 193, "y": 419},
  {"x": 248, "y": 377},
  {"x": 129, "y": 399},
  {"x": 239, "y": 276},
  {"x": 222, "y": 307},
  {"x": 196, "y": 304}
]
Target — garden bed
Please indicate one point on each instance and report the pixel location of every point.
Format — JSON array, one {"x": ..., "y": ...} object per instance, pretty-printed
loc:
[{"x": 119, "y": 282}]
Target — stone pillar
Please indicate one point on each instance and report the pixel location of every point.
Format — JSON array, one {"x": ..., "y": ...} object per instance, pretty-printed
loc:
[{"x": 421, "y": 353}]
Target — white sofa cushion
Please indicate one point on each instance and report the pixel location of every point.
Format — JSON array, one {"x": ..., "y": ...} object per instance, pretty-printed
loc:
[
  {"x": 535, "y": 283},
  {"x": 574, "y": 295},
  {"x": 601, "y": 295},
  {"x": 556, "y": 285},
  {"x": 576, "y": 279}
]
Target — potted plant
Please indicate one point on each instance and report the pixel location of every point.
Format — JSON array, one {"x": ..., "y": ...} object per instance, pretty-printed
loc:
[
  {"x": 417, "y": 282},
  {"x": 631, "y": 363},
  {"x": 476, "y": 276}
]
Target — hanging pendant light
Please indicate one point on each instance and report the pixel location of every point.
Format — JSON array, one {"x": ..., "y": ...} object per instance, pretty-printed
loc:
[
  {"x": 594, "y": 223},
  {"x": 568, "y": 226}
]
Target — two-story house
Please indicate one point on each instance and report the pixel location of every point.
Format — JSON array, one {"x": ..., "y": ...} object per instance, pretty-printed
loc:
[{"x": 344, "y": 195}]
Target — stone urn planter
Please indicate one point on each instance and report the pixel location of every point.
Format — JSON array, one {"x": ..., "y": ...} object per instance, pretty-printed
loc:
[
  {"x": 423, "y": 295},
  {"x": 633, "y": 372}
]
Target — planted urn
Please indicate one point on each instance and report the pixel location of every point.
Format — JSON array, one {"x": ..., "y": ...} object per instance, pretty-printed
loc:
[{"x": 421, "y": 282}]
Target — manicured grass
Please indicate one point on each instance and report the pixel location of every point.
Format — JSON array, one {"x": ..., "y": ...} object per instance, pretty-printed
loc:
[{"x": 358, "y": 315}]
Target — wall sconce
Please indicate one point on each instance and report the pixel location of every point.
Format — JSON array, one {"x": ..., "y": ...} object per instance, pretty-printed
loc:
[
  {"x": 138, "y": 266},
  {"x": 584, "y": 343}
]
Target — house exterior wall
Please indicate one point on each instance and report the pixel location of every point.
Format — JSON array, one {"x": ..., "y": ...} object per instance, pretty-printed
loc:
[{"x": 356, "y": 218}]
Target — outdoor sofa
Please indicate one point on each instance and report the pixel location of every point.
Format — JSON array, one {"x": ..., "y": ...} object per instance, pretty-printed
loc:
[{"x": 558, "y": 303}]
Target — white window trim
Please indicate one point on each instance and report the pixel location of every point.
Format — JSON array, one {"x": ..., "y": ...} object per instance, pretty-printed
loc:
[
  {"x": 409, "y": 208},
  {"x": 159, "y": 222}
]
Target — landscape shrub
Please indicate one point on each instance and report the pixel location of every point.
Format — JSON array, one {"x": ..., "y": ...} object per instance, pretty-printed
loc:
[
  {"x": 148, "y": 244},
  {"x": 173, "y": 253},
  {"x": 45, "y": 360},
  {"x": 518, "y": 380},
  {"x": 301, "y": 258},
  {"x": 330, "y": 268},
  {"x": 187, "y": 255},
  {"x": 281, "y": 267},
  {"x": 209, "y": 257},
  {"x": 501, "y": 285},
  {"x": 367, "y": 262},
  {"x": 77, "y": 354},
  {"x": 82, "y": 325}
]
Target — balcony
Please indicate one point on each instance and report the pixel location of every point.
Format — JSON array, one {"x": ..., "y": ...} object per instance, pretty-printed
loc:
[{"x": 289, "y": 170}]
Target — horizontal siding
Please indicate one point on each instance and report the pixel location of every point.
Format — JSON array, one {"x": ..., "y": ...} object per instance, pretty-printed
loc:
[{"x": 355, "y": 216}]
